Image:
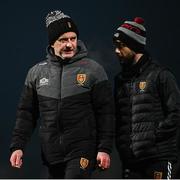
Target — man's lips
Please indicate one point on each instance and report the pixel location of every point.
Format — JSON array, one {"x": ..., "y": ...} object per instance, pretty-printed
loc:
[{"x": 68, "y": 51}]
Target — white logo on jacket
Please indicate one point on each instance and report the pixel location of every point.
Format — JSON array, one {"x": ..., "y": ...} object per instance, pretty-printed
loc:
[{"x": 43, "y": 81}]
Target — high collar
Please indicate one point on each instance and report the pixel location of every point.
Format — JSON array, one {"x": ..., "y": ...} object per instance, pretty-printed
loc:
[
  {"x": 81, "y": 52},
  {"x": 136, "y": 69}
]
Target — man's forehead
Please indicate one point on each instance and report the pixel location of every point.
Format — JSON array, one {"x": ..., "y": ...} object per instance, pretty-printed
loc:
[{"x": 68, "y": 35}]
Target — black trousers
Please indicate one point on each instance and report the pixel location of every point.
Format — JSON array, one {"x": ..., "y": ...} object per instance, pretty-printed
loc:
[
  {"x": 79, "y": 168},
  {"x": 151, "y": 170}
]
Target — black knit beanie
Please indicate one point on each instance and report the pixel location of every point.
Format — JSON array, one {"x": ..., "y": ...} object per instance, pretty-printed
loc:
[
  {"x": 133, "y": 34},
  {"x": 58, "y": 23}
]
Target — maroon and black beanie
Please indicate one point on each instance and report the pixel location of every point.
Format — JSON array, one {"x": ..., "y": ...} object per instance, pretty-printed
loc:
[
  {"x": 133, "y": 34},
  {"x": 58, "y": 23}
]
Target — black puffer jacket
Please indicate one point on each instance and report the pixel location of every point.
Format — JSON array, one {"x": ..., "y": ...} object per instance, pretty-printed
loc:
[
  {"x": 75, "y": 104},
  {"x": 147, "y": 111}
]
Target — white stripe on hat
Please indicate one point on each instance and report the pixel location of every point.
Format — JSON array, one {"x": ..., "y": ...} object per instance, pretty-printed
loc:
[{"x": 133, "y": 35}]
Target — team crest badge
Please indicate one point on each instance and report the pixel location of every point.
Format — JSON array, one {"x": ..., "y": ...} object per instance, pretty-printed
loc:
[
  {"x": 157, "y": 175},
  {"x": 142, "y": 86},
  {"x": 84, "y": 163},
  {"x": 81, "y": 78}
]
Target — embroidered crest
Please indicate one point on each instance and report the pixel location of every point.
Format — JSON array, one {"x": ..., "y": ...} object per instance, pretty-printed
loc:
[
  {"x": 81, "y": 78},
  {"x": 142, "y": 86},
  {"x": 84, "y": 163},
  {"x": 157, "y": 175}
]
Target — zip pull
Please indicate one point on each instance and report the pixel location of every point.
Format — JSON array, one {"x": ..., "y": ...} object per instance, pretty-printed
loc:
[{"x": 60, "y": 140}]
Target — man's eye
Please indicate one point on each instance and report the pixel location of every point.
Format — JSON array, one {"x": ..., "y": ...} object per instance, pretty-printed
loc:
[
  {"x": 62, "y": 40},
  {"x": 74, "y": 38}
]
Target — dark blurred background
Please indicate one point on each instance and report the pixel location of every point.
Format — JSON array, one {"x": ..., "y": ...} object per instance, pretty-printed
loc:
[{"x": 24, "y": 40}]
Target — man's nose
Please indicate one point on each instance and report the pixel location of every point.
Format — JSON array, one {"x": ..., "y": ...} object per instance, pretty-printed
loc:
[
  {"x": 118, "y": 51},
  {"x": 69, "y": 44}
]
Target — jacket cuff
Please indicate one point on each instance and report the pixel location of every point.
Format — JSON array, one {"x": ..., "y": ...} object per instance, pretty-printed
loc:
[
  {"x": 12, "y": 149},
  {"x": 104, "y": 150}
]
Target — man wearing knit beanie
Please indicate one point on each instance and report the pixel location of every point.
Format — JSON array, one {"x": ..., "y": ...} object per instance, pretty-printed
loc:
[
  {"x": 72, "y": 96},
  {"x": 61, "y": 28},
  {"x": 147, "y": 102},
  {"x": 58, "y": 23}
]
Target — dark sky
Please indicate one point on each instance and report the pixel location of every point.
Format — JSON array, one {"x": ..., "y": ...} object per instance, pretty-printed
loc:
[{"x": 24, "y": 40}]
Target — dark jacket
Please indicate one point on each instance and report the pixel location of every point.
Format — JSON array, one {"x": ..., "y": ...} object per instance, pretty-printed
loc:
[
  {"x": 147, "y": 111},
  {"x": 75, "y": 104}
]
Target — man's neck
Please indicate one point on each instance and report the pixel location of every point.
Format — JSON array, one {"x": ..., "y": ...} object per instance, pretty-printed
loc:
[{"x": 137, "y": 57}]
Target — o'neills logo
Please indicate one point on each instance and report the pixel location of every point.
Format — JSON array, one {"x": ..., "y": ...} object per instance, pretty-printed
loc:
[
  {"x": 43, "y": 81},
  {"x": 81, "y": 78},
  {"x": 69, "y": 24},
  {"x": 142, "y": 86}
]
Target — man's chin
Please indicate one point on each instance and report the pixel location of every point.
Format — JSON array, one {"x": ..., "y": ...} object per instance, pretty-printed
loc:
[
  {"x": 126, "y": 62},
  {"x": 68, "y": 55}
]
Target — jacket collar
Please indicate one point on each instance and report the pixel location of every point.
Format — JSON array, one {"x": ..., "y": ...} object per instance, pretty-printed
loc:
[{"x": 136, "y": 69}]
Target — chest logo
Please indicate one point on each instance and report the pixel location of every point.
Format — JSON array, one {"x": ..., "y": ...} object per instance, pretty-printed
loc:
[
  {"x": 84, "y": 163},
  {"x": 43, "y": 81},
  {"x": 142, "y": 86},
  {"x": 81, "y": 78},
  {"x": 158, "y": 175}
]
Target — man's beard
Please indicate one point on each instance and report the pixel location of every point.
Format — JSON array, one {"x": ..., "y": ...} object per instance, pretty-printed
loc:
[{"x": 127, "y": 61}]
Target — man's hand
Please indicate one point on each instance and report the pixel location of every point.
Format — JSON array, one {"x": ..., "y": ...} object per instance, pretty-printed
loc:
[
  {"x": 103, "y": 160},
  {"x": 16, "y": 158}
]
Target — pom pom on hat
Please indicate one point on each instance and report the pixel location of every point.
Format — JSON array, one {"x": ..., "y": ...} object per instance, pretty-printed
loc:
[
  {"x": 133, "y": 34},
  {"x": 139, "y": 20}
]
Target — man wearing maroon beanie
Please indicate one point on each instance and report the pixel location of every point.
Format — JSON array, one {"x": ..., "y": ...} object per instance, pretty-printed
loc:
[{"x": 147, "y": 102}]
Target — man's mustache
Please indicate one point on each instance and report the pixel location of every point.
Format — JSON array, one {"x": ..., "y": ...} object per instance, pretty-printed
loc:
[{"x": 68, "y": 49}]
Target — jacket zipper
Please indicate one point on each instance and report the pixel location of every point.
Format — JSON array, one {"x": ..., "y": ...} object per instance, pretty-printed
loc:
[
  {"x": 60, "y": 123},
  {"x": 130, "y": 98}
]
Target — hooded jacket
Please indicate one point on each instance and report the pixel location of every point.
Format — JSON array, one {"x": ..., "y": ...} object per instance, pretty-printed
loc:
[{"x": 74, "y": 102}]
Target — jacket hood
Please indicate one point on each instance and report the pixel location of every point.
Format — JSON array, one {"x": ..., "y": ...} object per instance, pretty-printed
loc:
[{"x": 81, "y": 53}]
